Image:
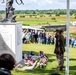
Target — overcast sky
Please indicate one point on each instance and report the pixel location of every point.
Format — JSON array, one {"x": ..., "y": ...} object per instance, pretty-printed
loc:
[{"x": 41, "y": 4}]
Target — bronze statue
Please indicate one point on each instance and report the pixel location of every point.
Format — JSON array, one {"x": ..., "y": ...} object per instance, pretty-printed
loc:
[{"x": 10, "y": 11}]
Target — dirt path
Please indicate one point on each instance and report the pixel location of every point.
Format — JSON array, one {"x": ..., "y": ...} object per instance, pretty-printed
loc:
[{"x": 72, "y": 29}]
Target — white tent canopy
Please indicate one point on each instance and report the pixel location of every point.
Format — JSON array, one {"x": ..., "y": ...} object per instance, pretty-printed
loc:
[{"x": 32, "y": 28}]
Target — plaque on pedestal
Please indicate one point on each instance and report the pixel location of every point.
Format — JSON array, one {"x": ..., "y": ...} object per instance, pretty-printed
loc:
[{"x": 11, "y": 39}]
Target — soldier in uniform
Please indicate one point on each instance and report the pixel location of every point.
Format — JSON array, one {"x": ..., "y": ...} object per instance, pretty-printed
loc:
[{"x": 59, "y": 49}]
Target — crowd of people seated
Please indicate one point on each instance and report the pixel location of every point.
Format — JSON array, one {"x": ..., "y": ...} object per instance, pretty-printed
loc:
[{"x": 37, "y": 37}]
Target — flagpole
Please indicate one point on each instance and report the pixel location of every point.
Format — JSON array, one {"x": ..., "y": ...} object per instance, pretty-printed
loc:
[{"x": 67, "y": 37}]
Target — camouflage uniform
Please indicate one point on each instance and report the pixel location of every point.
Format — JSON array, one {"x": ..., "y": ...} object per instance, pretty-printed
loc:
[
  {"x": 60, "y": 59},
  {"x": 59, "y": 50}
]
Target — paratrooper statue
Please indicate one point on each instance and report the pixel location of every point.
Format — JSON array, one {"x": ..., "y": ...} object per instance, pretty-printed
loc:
[{"x": 10, "y": 17}]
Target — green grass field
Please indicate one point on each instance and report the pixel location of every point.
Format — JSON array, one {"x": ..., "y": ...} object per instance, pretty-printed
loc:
[
  {"x": 41, "y": 19},
  {"x": 52, "y": 62},
  {"x": 40, "y": 22},
  {"x": 44, "y": 19}
]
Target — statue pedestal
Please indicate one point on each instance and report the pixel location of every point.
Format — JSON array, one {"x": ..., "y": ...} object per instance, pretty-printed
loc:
[{"x": 11, "y": 39}]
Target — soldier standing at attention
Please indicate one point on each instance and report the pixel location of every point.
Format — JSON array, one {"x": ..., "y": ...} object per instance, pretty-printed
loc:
[{"x": 59, "y": 49}]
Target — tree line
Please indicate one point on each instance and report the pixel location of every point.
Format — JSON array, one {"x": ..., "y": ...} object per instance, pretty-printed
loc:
[{"x": 57, "y": 12}]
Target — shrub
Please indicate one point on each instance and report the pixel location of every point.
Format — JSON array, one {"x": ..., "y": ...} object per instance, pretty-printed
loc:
[{"x": 53, "y": 18}]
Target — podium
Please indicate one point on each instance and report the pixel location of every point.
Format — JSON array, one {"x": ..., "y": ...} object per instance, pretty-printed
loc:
[{"x": 11, "y": 39}]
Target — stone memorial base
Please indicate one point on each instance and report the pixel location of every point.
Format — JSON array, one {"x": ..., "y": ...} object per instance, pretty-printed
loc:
[{"x": 11, "y": 39}]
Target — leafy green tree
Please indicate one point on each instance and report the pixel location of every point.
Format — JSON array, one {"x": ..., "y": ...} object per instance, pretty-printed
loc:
[
  {"x": 53, "y": 18},
  {"x": 75, "y": 17}
]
